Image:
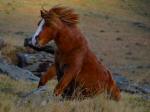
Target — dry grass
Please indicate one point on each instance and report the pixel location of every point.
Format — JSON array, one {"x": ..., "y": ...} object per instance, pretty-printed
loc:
[
  {"x": 10, "y": 52},
  {"x": 11, "y": 90},
  {"x": 102, "y": 21}
]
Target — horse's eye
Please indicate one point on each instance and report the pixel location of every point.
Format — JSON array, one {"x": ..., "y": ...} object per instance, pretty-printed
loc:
[{"x": 46, "y": 24}]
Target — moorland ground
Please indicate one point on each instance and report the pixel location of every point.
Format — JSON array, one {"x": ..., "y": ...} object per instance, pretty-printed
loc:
[{"x": 118, "y": 32}]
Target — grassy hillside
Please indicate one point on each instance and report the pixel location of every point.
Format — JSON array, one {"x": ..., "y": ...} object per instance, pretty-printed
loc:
[
  {"x": 118, "y": 32},
  {"x": 102, "y": 21},
  {"x": 11, "y": 92}
]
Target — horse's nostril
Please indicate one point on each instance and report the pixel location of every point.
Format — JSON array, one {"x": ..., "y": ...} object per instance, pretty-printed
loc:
[{"x": 27, "y": 42}]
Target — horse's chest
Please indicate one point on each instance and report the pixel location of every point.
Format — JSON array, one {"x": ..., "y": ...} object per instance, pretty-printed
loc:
[
  {"x": 60, "y": 70},
  {"x": 60, "y": 66}
]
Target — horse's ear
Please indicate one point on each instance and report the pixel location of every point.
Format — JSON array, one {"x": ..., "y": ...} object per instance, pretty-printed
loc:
[{"x": 43, "y": 12}]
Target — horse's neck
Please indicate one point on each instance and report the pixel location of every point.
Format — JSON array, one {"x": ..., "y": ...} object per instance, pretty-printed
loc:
[{"x": 68, "y": 39}]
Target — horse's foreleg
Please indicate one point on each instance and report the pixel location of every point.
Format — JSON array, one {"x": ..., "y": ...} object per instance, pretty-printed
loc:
[
  {"x": 74, "y": 62},
  {"x": 47, "y": 76},
  {"x": 63, "y": 83},
  {"x": 69, "y": 74}
]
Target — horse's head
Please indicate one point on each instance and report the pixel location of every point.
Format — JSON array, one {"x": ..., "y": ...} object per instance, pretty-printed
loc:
[
  {"x": 52, "y": 22},
  {"x": 47, "y": 29}
]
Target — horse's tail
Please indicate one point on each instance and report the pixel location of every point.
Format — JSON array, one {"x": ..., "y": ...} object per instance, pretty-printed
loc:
[{"x": 112, "y": 88}]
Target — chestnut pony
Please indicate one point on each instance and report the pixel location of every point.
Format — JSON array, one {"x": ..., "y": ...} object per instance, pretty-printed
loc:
[{"x": 78, "y": 70}]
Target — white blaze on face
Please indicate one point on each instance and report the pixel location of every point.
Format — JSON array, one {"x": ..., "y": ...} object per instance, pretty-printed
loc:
[{"x": 39, "y": 29}]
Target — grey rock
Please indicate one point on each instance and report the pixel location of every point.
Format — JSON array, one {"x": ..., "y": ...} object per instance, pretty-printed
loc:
[
  {"x": 16, "y": 72},
  {"x": 37, "y": 91},
  {"x": 36, "y": 57},
  {"x": 120, "y": 80},
  {"x": 143, "y": 88},
  {"x": 40, "y": 96},
  {"x": 36, "y": 62},
  {"x": 141, "y": 25},
  {"x": 125, "y": 85}
]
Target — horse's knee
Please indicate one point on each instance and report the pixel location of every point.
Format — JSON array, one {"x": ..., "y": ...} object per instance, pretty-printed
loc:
[{"x": 42, "y": 81}]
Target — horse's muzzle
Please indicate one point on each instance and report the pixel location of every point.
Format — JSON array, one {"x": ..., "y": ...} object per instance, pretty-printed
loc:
[{"x": 28, "y": 42}]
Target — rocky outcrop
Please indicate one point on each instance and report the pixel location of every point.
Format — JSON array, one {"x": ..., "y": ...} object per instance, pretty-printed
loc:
[
  {"x": 40, "y": 96},
  {"x": 131, "y": 87},
  {"x": 16, "y": 72},
  {"x": 37, "y": 62}
]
